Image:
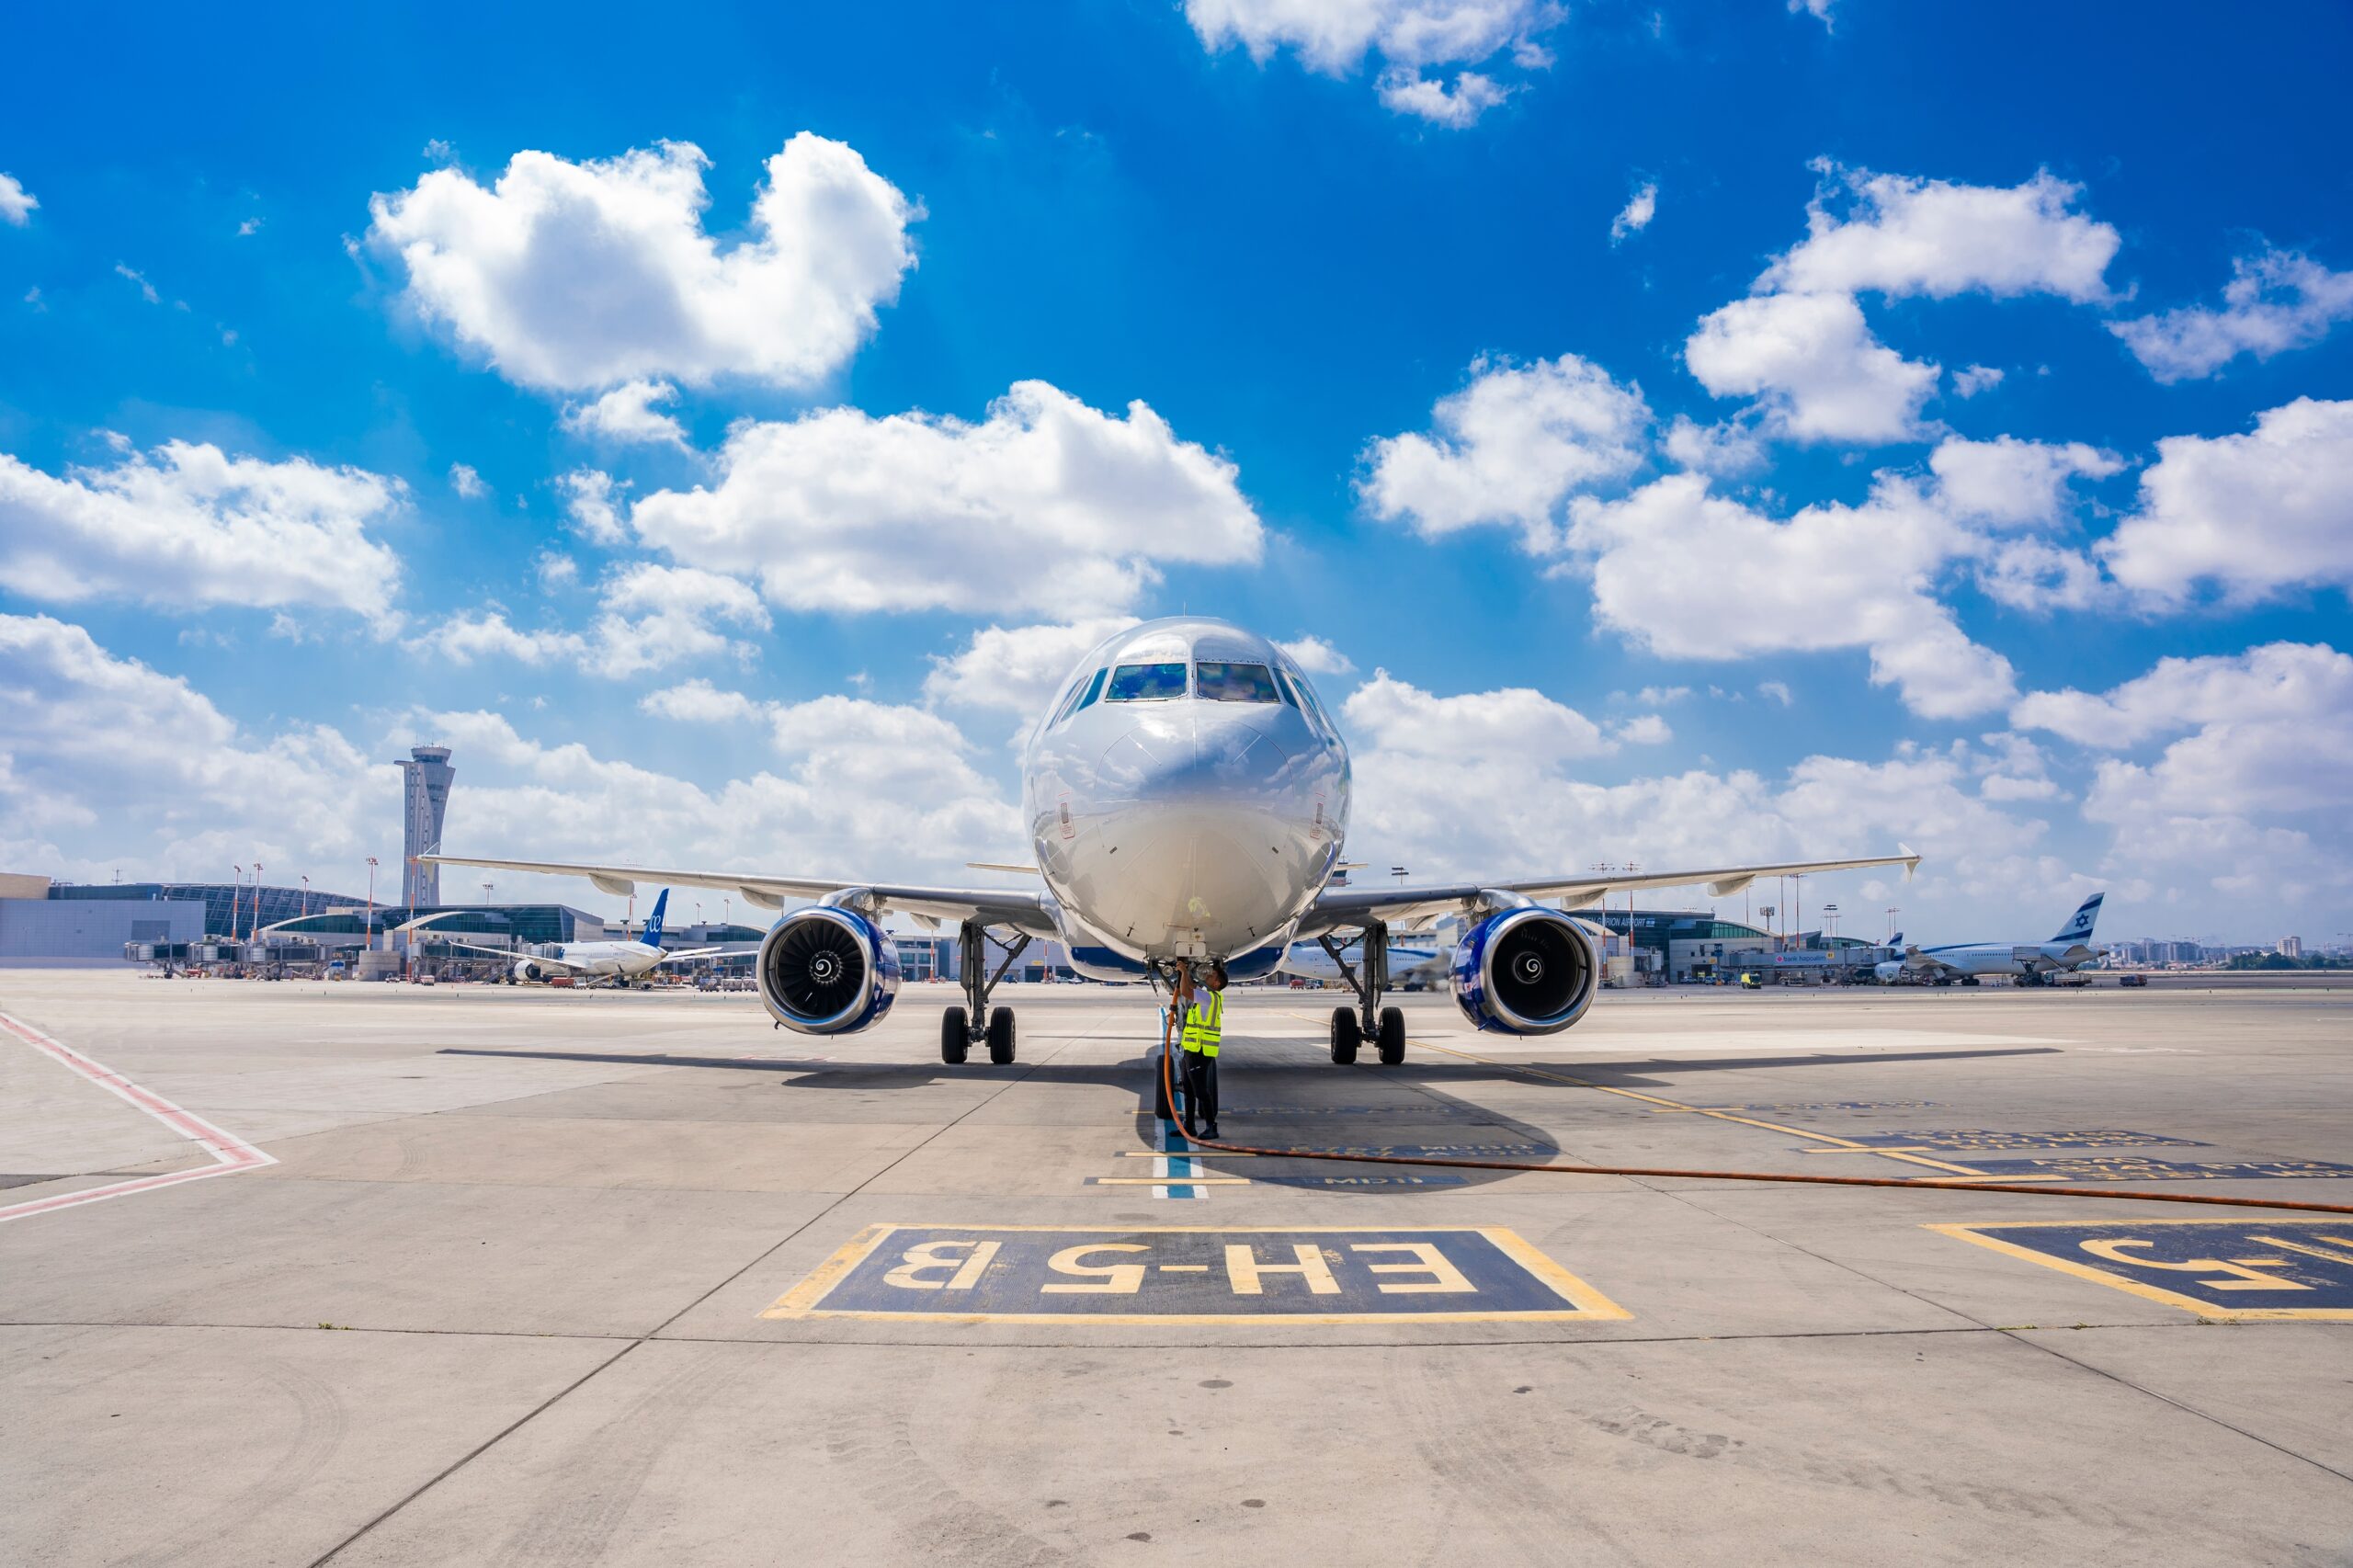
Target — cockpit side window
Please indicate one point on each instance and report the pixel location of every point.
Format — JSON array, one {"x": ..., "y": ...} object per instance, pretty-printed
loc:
[
  {"x": 1235, "y": 683},
  {"x": 1082, "y": 694},
  {"x": 1303, "y": 698},
  {"x": 1147, "y": 683}
]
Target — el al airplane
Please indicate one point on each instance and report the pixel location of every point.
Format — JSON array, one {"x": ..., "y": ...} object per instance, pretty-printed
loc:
[
  {"x": 620, "y": 962},
  {"x": 1410, "y": 963},
  {"x": 1186, "y": 796},
  {"x": 1966, "y": 961}
]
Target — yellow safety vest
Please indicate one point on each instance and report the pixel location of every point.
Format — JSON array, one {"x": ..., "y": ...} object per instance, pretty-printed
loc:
[{"x": 1203, "y": 1025}]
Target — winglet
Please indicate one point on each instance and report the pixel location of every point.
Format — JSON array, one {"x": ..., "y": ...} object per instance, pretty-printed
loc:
[{"x": 1911, "y": 860}]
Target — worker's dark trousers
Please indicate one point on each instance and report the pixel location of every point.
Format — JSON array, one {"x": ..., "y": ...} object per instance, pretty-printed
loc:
[{"x": 1200, "y": 1088}]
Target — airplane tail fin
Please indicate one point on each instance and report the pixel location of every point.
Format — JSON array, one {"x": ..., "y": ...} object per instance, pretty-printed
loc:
[
  {"x": 652, "y": 934},
  {"x": 2079, "y": 925}
]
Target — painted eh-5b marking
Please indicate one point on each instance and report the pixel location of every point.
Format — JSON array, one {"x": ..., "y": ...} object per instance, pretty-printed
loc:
[{"x": 1186, "y": 796}]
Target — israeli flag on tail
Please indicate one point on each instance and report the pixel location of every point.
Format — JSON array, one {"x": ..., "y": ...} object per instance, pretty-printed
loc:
[{"x": 2079, "y": 925}]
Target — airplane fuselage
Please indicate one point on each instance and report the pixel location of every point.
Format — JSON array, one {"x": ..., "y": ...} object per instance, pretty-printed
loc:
[
  {"x": 1974, "y": 959},
  {"x": 1186, "y": 796},
  {"x": 620, "y": 961}
]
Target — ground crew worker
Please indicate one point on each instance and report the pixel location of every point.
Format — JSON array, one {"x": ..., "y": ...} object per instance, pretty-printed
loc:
[{"x": 1204, "y": 1027}]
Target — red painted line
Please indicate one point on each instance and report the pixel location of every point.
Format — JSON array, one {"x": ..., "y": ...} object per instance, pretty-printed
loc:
[{"x": 230, "y": 1153}]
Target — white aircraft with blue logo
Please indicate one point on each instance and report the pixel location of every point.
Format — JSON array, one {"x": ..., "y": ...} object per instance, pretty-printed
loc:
[
  {"x": 1186, "y": 796},
  {"x": 1968, "y": 962},
  {"x": 617, "y": 961},
  {"x": 1410, "y": 963}
]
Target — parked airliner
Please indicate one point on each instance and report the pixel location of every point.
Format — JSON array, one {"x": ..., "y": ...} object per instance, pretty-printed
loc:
[
  {"x": 619, "y": 962},
  {"x": 1186, "y": 796},
  {"x": 2030, "y": 961}
]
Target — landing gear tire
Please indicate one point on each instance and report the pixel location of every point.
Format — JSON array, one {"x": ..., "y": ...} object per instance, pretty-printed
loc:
[
  {"x": 955, "y": 1036},
  {"x": 1001, "y": 1036},
  {"x": 1347, "y": 1034},
  {"x": 1391, "y": 1037},
  {"x": 1969, "y": 980}
]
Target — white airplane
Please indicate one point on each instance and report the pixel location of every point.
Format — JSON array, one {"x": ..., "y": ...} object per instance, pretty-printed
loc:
[
  {"x": 1968, "y": 962},
  {"x": 1186, "y": 796},
  {"x": 1410, "y": 963},
  {"x": 620, "y": 962}
]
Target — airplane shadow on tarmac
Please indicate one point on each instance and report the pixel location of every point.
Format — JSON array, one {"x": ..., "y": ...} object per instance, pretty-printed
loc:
[{"x": 1278, "y": 1103}]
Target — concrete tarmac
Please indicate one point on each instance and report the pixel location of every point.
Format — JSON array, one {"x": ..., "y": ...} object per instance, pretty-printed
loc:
[{"x": 543, "y": 1277}]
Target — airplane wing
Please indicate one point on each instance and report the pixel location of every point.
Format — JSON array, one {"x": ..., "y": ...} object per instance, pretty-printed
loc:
[
  {"x": 684, "y": 953},
  {"x": 1411, "y": 906},
  {"x": 1023, "y": 910},
  {"x": 511, "y": 953}
]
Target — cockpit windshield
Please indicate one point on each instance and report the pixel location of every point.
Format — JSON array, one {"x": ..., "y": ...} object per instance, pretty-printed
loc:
[
  {"x": 1147, "y": 683},
  {"x": 1235, "y": 683}
]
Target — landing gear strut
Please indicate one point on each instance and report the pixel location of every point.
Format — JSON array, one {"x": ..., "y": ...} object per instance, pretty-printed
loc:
[
  {"x": 1385, "y": 1027},
  {"x": 959, "y": 1028}
]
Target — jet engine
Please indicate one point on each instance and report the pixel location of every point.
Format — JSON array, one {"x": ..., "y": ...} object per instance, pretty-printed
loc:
[
  {"x": 526, "y": 970},
  {"x": 1526, "y": 971},
  {"x": 827, "y": 971}
]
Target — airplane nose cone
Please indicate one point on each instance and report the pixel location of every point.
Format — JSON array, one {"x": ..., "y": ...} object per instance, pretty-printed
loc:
[{"x": 1209, "y": 829}]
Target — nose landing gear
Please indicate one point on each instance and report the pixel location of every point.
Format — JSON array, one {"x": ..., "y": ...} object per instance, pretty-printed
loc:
[
  {"x": 1385, "y": 1027},
  {"x": 959, "y": 1028}
]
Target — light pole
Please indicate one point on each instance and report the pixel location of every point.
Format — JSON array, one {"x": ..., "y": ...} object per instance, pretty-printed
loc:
[
  {"x": 1829, "y": 922},
  {"x": 1892, "y": 913},
  {"x": 1398, "y": 872},
  {"x": 252, "y": 921},
  {"x": 368, "y": 931},
  {"x": 306, "y": 896},
  {"x": 236, "y": 900}
]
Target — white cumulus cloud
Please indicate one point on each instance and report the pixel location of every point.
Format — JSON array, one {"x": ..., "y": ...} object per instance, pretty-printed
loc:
[
  {"x": 1318, "y": 657},
  {"x": 187, "y": 525},
  {"x": 590, "y": 502},
  {"x": 1411, "y": 38},
  {"x": 17, "y": 203},
  {"x": 1636, "y": 215},
  {"x": 2255, "y": 514},
  {"x": 2275, "y": 302},
  {"x": 1016, "y": 668},
  {"x": 1898, "y": 234},
  {"x": 1689, "y": 574},
  {"x": 1815, "y": 365},
  {"x": 1799, "y": 344},
  {"x": 1047, "y": 505},
  {"x": 627, "y": 415},
  {"x": 1508, "y": 448},
  {"x": 581, "y": 275},
  {"x": 1395, "y": 716},
  {"x": 2009, "y": 483},
  {"x": 466, "y": 481}
]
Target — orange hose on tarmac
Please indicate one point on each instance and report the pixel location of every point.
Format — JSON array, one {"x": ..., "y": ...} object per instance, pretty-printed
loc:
[{"x": 1168, "y": 1087}]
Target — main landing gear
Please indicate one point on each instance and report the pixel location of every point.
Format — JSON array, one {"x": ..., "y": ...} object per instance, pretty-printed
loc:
[
  {"x": 1385, "y": 1027},
  {"x": 960, "y": 1027}
]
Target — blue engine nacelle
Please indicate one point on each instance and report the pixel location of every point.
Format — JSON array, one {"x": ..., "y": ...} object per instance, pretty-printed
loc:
[
  {"x": 826, "y": 970},
  {"x": 1526, "y": 971}
]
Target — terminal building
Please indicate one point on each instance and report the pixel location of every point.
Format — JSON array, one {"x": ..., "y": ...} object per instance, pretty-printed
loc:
[{"x": 1696, "y": 946}]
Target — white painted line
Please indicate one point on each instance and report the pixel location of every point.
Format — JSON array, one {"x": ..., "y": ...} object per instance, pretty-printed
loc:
[{"x": 230, "y": 1153}]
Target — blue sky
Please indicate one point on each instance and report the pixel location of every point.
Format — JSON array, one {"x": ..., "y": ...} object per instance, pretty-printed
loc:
[{"x": 2013, "y": 629}]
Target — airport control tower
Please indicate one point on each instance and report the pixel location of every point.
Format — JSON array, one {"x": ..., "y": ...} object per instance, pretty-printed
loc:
[{"x": 425, "y": 789}]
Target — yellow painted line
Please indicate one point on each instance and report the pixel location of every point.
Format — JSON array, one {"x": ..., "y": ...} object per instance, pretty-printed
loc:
[
  {"x": 1875, "y": 1149},
  {"x": 1840, "y": 1145},
  {"x": 2145, "y": 1291},
  {"x": 2322, "y": 1253},
  {"x": 1979, "y": 1176}
]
